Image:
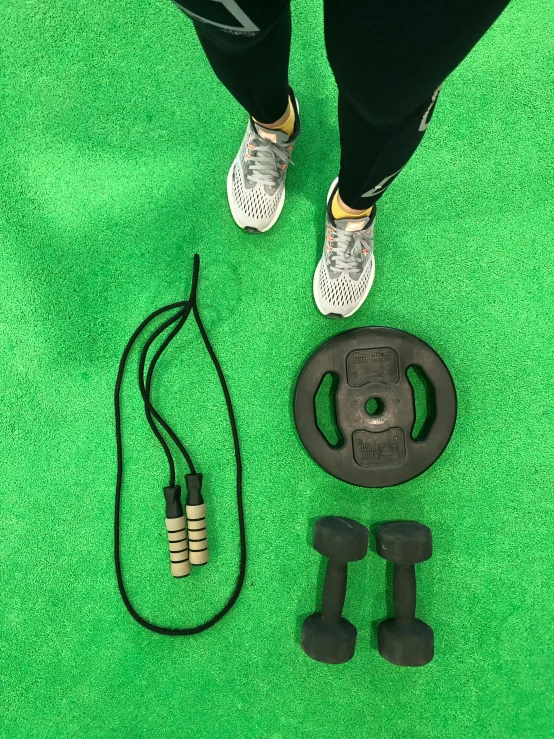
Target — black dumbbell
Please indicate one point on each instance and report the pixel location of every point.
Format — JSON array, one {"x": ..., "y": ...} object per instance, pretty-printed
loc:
[
  {"x": 326, "y": 636},
  {"x": 404, "y": 640}
]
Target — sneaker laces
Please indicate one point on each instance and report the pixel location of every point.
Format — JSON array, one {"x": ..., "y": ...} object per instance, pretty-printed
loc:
[
  {"x": 268, "y": 160},
  {"x": 346, "y": 249}
]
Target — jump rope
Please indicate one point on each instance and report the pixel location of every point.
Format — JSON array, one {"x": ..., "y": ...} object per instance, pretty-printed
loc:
[{"x": 184, "y": 551}]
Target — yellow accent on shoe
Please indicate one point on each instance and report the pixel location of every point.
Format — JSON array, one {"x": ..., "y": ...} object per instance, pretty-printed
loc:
[
  {"x": 288, "y": 126},
  {"x": 338, "y": 212}
]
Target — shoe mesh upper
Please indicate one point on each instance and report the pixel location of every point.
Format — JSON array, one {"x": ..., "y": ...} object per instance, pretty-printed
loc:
[
  {"x": 258, "y": 190},
  {"x": 343, "y": 293}
]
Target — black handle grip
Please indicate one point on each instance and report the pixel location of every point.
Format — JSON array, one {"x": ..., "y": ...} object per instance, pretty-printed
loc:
[
  {"x": 404, "y": 594},
  {"x": 334, "y": 592}
]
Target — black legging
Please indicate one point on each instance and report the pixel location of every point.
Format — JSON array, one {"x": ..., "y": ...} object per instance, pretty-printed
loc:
[{"x": 389, "y": 58}]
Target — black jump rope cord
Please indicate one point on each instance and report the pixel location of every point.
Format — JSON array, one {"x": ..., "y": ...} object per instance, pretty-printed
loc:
[{"x": 180, "y": 318}]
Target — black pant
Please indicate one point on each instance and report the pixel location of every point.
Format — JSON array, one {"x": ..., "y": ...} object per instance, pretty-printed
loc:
[{"x": 389, "y": 58}]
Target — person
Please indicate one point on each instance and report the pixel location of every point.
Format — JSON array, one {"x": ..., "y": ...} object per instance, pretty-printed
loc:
[{"x": 389, "y": 58}]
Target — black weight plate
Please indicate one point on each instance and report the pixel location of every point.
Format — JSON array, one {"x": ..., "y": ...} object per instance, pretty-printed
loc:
[{"x": 378, "y": 450}]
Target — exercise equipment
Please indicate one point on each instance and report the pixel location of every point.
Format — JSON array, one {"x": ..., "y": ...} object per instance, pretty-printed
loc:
[
  {"x": 327, "y": 636},
  {"x": 192, "y": 550},
  {"x": 379, "y": 448},
  {"x": 182, "y": 553},
  {"x": 404, "y": 639},
  {"x": 196, "y": 522},
  {"x": 176, "y": 526}
]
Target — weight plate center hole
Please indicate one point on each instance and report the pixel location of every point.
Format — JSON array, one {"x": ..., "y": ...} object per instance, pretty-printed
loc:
[{"x": 375, "y": 407}]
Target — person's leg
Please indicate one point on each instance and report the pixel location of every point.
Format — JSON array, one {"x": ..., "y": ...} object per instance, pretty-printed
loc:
[
  {"x": 390, "y": 59},
  {"x": 248, "y": 48}
]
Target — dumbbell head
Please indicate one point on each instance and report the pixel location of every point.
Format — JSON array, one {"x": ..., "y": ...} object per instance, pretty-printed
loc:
[
  {"x": 404, "y": 542},
  {"x": 333, "y": 643},
  {"x": 408, "y": 646},
  {"x": 340, "y": 539}
]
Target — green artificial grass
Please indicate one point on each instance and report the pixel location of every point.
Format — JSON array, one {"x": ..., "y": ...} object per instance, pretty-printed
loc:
[{"x": 116, "y": 139}]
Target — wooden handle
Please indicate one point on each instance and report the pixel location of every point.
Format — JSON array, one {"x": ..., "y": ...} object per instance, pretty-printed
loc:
[
  {"x": 178, "y": 546},
  {"x": 198, "y": 539}
]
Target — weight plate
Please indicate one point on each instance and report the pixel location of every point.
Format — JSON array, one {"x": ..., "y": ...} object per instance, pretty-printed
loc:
[{"x": 379, "y": 449}]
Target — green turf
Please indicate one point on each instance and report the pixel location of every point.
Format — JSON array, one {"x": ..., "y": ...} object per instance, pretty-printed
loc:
[{"x": 115, "y": 144}]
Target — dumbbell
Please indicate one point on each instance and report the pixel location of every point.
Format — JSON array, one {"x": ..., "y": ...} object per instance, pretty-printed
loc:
[
  {"x": 405, "y": 640},
  {"x": 326, "y": 636}
]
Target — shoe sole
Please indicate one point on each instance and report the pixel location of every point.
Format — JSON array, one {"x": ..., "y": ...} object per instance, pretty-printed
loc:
[
  {"x": 234, "y": 210},
  {"x": 318, "y": 269}
]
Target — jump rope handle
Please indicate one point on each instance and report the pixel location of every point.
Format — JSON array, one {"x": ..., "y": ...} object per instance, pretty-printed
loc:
[
  {"x": 176, "y": 526},
  {"x": 196, "y": 521},
  {"x": 183, "y": 551}
]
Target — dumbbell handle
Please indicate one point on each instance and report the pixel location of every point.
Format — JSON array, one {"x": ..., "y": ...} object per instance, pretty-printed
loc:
[
  {"x": 334, "y": 592},
  {"x": 404, "y": 594}
]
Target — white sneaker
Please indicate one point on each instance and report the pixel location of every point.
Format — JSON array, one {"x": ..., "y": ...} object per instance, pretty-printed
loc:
[
  {"x": 256, "y": 180},
  {"x": 344, "y": 275}
]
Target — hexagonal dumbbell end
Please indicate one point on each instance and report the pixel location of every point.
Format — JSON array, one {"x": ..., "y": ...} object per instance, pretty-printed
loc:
[
  {"x": 332, "y": 643},
  {"x": 404, "y": 542},
  {"x": 327, "y": 636},
  {"x": 340, "y": 539},
  {"x": 405, "y": 640}
]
